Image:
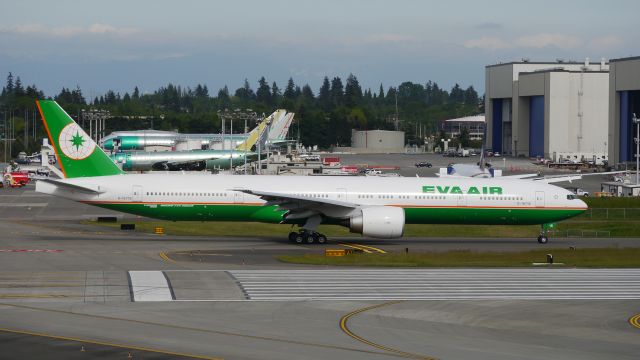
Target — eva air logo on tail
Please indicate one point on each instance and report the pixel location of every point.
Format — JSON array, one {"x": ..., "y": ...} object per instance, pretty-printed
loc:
[{"x": 75, "y": 143}]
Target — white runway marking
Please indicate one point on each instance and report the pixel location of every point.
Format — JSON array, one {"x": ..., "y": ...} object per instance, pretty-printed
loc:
[
  {"x": 440, "y": 284},
  {"x": 150, "y": 286}
]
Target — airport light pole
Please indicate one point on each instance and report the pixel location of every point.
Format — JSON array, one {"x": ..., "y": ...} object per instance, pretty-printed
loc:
[{"x": 637, "y": 140}]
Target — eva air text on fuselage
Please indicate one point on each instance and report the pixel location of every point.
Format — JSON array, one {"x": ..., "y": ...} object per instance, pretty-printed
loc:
[{"x": 484, "y": 190}]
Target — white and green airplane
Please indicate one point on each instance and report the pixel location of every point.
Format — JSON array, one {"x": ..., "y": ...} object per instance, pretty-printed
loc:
[{"x": 376, "y": 207}]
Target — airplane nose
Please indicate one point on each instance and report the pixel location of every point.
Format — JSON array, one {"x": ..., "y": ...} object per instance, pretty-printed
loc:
[{"x": 583, "y": 205}]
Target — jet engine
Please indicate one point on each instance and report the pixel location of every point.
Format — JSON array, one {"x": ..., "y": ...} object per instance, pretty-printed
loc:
[{"x": 385, "y": 222}]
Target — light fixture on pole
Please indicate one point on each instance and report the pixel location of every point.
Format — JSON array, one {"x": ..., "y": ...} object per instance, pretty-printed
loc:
[{"x": 637, "y": 140}]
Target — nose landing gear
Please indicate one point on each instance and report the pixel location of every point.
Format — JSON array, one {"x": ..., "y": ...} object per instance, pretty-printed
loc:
[{"x": 543, "y": 238}]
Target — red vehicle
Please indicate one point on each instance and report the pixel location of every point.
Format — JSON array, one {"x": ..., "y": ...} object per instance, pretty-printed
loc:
[{"x": 16, "y": 178}]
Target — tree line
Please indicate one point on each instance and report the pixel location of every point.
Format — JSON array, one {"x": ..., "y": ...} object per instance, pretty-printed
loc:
[{"x": 324, "y": 118}]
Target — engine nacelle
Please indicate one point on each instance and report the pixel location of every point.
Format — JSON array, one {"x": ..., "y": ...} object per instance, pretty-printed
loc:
[{"x": 385, "y": 222}]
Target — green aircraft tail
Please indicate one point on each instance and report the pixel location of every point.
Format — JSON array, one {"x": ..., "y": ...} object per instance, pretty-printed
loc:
[{"x": 78, "y": 155}]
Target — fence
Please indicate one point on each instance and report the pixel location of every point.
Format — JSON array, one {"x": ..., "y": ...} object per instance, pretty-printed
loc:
[{"x": 611, "y": 214}]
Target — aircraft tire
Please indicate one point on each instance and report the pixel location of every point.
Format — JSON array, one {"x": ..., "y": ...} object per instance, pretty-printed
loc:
[
  {"x": 313, "y": 238},
  {"x": 292, "y": 236},
  {"x": 322, "y": 239},
  {"x": 300, "y": 238},
  {"x": 543, "y": 239}
]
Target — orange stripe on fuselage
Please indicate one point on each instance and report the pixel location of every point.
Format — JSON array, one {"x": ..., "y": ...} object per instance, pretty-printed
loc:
[{"x": 55, "y": 148}]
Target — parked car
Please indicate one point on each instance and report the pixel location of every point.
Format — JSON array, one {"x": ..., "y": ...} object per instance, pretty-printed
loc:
[{"x": 423, "y": 164}]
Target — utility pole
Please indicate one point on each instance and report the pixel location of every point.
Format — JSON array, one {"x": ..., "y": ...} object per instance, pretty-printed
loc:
[{"x": 637, "y": 139}]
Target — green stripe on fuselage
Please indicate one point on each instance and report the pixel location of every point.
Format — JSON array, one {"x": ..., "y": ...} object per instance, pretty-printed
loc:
[{"x": 413, "y": 215}]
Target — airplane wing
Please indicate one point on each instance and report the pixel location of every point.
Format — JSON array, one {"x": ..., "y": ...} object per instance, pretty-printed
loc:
[
  {"x": 568, "y": 177},
  {"x": 303, "y": 207}
]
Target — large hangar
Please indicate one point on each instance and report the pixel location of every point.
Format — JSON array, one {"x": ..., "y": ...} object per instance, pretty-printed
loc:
[
  {"x": 624, "y": 97},
  {"x": 548, "y": 109}
]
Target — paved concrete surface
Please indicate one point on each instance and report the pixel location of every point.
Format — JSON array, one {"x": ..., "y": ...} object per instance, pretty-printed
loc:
[{"x": 67, "y": 280}]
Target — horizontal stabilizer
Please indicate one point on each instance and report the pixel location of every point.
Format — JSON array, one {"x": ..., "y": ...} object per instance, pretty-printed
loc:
[{"x": 72, "y": 187}]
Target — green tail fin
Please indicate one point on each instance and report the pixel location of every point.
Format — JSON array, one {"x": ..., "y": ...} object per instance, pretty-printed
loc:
[{"x": 77, "y": 153}]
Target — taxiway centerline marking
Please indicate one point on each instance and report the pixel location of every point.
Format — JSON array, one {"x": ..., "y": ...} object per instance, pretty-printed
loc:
[
  {"x": 346, "y": 330},
  {"x": 106, "y": 343}
]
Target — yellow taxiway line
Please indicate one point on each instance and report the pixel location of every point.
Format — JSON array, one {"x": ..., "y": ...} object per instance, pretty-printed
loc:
[
  {"x": 346, "y": 330},
  {"x": 356, "y": 247},
  {"x": 635, "y": 321},
  {"x": 105, "y": 343},
  {"x": 163, "y": 256},
  {"x": 366, "y": 248}
]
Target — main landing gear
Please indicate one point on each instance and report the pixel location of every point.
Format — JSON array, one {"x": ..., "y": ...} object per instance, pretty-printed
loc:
[{"x": 307, "y": 237}]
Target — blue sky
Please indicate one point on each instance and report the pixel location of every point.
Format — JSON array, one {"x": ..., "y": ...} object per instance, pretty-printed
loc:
[{"x": 115, "y": 44}]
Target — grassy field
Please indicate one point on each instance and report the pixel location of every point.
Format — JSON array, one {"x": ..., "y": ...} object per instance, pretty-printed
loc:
[{"x": 604, "y": 258}]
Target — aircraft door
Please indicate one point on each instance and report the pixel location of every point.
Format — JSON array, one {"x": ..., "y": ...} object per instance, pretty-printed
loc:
[
  {"x": 238, "y": 197},
  {"x": 136, "y": 193},
  {"x": 539, "y": 198},
  {"x": 341, "y": 194}
]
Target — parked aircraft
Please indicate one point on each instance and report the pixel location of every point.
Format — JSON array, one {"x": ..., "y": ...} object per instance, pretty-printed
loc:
[
  {"x": 141, "y": 139},
  {"x": 377, "y": 207}
]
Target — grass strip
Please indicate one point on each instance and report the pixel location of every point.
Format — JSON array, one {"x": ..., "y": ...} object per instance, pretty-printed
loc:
[
  {"x": 570, "y": 228},
  {"x": 587, "y": 258}
]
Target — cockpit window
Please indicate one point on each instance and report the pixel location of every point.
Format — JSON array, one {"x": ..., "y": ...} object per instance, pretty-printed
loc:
[{"x": 571, "y": 197}]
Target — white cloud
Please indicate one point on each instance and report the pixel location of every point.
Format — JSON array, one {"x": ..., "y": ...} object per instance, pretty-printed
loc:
[
  {"x": 388, "y": 38},
  {"x": 530, "y": 41},
  {"x": 546, "y": 39},
  {"x": 67, "y": 31},
  {"x": 605, "y": 42},
  {"x": 487, "y": 43}
]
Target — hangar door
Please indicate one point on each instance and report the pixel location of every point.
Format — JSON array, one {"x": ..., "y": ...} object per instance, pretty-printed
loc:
[
  {"x": 496, "y": 125},
  {"x": 536, "y": 126},
  {"x": 629, "y": 104}
]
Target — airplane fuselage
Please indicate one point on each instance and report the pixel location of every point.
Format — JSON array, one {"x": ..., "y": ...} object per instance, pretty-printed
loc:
[{"x": 205, "y": 197}]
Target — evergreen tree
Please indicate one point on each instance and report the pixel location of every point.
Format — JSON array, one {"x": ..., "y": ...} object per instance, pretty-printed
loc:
[
  {"x": 276, "y": 94},
  {"x": 245, "y": 92},
  {"x": 289, "y": 91},
  {"x": 263, "y": 94},
  {"x": 136, "y": 93},
  {"x": 224, "y": 102},
  {"x": 324, "y": 95},
  {"x": 18, "y": 89},
  {"x": 471, "y": 96},
  {"x": 9, "y": 86},
  {"x": 352, "y": 92},
  {"x": 337, "y": 92},
  {"x": 457, "y": 94}
]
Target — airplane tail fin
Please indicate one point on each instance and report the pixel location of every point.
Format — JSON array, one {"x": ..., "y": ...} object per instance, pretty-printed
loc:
[
  {"x": 78, "y": 155},
  {"x": 254, "y": 136}
]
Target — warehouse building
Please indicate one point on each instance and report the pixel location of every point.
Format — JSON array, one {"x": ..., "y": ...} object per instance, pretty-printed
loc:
[
  {"x": 374, "y": 142},
  {"x": 554, "y": 110},
  {"x": 624, "y": 98},
  {"x": 473, "y": 124}
]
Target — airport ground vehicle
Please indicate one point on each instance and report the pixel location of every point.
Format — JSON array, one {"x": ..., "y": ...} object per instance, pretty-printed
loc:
[
  {"x": 375, "y": 206},
  {"x": 16, "y": 178}
]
